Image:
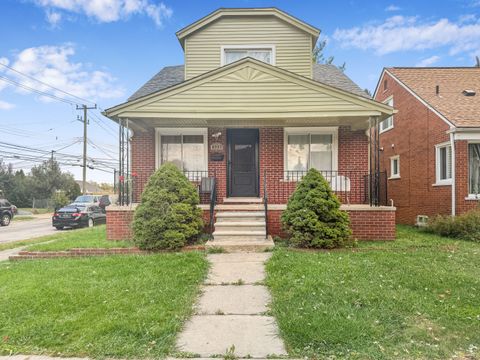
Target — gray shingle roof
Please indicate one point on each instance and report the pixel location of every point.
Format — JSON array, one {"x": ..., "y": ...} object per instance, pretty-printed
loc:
[{"x": 324, "y": 73}]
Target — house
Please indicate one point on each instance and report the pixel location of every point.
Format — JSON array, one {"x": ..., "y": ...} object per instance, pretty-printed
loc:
[
  {"x": 250, "y": 110},
  {"x": 431, "y": 147}
]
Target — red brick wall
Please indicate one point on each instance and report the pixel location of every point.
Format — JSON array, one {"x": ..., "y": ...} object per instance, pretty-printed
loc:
[
  {"x": 416, "y": 132},
  {"x": 366, "y": 225},
  {"x": 352, "y": 156},
  {"x": 143, "y": 160},
  {"x": 119, "y": 224}
]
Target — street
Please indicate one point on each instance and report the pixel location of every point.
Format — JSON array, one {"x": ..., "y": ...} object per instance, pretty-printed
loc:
[{"x": 22, "y": 230}]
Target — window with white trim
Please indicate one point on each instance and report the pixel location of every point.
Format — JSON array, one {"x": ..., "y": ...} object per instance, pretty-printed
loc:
[
  {"x": 395, "y": 167},
  {"x": 443, "y": 164},
  {"x": 307, "y": 148},
  {"x": 387, "y": 124},
  {"x": 474, "y": 169},
  {"x": 186, "y": 148},
  {"x": 232, "y": 53}
]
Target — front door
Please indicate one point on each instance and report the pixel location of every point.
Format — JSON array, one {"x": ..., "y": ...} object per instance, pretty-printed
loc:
[{"x": 242, "y": 162}]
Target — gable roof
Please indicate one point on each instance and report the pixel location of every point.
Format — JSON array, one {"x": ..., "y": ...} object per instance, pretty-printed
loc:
[
  {"x": 324, "y": 73},
  {"x": 451, "y": 103},
  {"x": 271, "y": 11},
  {"x": 267, "y": 92}
]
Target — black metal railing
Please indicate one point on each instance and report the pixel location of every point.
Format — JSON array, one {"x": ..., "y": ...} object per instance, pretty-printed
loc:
[
  {"x": 213, "y": 201},
  {"x": 351, "y": 186},
  {"x": 265, "y": 201}
]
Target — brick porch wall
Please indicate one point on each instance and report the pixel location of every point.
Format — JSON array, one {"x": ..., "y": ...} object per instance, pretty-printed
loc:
[
  {"x": 119, "y": 221},
  {"x": 143, "y": 160},
  {"x": 461, "y": 179}
]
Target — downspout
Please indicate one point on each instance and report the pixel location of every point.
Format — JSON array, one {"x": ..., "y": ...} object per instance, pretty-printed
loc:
[{"x": 453, "y": 160}]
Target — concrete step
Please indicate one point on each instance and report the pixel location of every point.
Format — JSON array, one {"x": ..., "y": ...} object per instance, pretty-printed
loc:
[
  {"x": 240, "y": 225},
  {"x": 236, "y": 245},
  {"x": 242, "y": 200},
  {"x": 240, "y": 214},
  {"x": 240, "y": 207}
]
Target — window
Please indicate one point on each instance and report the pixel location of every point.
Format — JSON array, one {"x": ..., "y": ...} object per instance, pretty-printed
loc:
[
  {"x": 387, "y": 124},
  {"x": 443, "y": 164},
  {"x": 185, "y": 148},
  {"x": 474, "y": 169},
  {"x": 234, "y": 53},
  {"x": 310, "y": 148},
  {"x": 395, "y": 167}
]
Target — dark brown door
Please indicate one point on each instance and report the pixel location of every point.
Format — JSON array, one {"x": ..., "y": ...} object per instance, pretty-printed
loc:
[{"x": 242, "y": 162}]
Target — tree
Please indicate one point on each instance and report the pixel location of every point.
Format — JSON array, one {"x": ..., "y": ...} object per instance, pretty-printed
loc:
[
  {"x": 168, "y": 216},
  {"x": 313, "y": 218},
  {"x": 318, "y": 56}
]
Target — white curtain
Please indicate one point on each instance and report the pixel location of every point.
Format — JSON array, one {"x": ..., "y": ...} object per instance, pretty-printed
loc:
[
  {"x": 235, "y": 55},
  {"x": 298, "y": 150},
  {"x": 187, "y": 152}
]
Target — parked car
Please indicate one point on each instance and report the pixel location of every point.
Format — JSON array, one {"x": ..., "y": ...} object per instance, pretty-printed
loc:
[
  {"x": 75, "y": 216},
  {"x": 7, "y": 212},
  {"x": 87, "y": 199}
]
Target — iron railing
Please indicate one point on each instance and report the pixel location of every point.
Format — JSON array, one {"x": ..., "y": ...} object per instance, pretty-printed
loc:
[
  {"x": 265, "y": 201},
  {"x": 351, "y": 186}
]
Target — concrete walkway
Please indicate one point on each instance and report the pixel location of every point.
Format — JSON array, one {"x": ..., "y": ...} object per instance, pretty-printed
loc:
[{"x": 230, "y": 316}]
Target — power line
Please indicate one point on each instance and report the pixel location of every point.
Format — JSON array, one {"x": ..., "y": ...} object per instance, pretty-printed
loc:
[{"x": 44, "y": 83}]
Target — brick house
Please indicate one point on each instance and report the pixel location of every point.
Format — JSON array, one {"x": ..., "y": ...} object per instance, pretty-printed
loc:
[
  {"x": 431, "y": 147},
  {"x": 250, "y": 110}
]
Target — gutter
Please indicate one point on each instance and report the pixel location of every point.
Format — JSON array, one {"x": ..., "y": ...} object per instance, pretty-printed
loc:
[{"x": 452, "y": 144}]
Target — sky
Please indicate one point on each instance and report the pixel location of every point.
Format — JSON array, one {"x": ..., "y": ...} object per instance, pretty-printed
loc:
[{"x": 103, "y": 50}]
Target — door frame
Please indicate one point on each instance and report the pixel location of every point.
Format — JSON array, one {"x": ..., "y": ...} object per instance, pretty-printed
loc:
[{"x": 256, "y": 131}]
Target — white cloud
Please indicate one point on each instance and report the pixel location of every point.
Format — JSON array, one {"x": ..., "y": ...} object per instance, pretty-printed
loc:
[
  {"x": 428, "y": 61},
  {"x": 53, "y": 65},
  {"x": 399, "y": 33},
  {"x": 53, "y": 18},
  {"x": 6, "y": 105},
  {"x": 111, "y": 10},
  {"x": 392, "y": 8}
]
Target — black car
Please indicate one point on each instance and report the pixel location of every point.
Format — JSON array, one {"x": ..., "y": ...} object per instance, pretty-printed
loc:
[
  {"x": 6, "y": 212},
  {"x": 74, "y": 216}
]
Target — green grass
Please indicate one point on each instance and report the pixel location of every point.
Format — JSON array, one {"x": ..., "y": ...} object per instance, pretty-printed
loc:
[
  {"x": 82, "y": 238},
  {"x": 116, "y": 306},
  {"x": 418, "y": 297},
  {"x": 23, "y": 218},
  {"x": 37, "y": 211},
  {"x": 20, "y": 243}
]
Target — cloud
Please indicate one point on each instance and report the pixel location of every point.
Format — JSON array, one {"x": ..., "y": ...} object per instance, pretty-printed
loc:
[
  {"x": 392, "y": 8},
  {"x": 53, "y": 65},
  {"x": 428, "y": 61},
  {"x": 6, "y": 105},
  {"x": 399, "y": 33},
  {"x": 53, "y": 18},
  {"x": 111, "y": 10}
]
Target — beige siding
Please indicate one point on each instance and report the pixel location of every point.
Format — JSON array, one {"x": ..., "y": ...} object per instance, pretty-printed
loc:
[
  {"x": 249, "y": 90},
  {"x": 293, "y": 46}
]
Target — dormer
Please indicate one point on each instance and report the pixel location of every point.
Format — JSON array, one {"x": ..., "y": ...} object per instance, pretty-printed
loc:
[{"x": 266, "y": 34}]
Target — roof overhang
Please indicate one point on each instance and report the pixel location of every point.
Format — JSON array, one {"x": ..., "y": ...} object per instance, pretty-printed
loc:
[
  {"x": 344, "y": 108},
  {"x": 272, "y": 11}
]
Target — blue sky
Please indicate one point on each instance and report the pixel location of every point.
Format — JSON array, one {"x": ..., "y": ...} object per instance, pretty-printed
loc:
[{"x": 104, "y": 50}]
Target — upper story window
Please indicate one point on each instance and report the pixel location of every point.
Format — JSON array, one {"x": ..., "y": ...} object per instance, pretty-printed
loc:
[
  {"x": 260, "y": 52},
  {"x": 387, "y": 124}
]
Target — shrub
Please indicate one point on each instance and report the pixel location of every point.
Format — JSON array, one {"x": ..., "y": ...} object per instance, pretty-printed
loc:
[
  {"x": 168, "y": 216},
  {"x": 59, "y": 199},
  {"x": 465, "y": 226},
  {"x": 313, "y": 218}
]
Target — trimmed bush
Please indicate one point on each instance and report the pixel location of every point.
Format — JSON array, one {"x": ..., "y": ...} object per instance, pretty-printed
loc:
[
  {"x": 313, "y": 218},
  {"x": 168, "y": 216},
  {"x": 465, "y": 226}
]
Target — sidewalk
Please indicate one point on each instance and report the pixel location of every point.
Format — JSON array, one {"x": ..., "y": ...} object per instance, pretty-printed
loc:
[{"x": 231, "y": 315}]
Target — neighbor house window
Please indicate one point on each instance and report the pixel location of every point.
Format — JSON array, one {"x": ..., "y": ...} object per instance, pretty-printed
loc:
[
  {"x": 474, "y": 169},
  {"x": 310, "y": 148},
  {"x": 395, "y": 167},
  {"x": 387, "y": 124},
  {"x": 186, "y": 149},
  {"x": 443, "y": 164},
  {"x": 234, "y": 53}
]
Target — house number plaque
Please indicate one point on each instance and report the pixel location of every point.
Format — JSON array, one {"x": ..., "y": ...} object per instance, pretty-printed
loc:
[{"x": 216, "y": 146}]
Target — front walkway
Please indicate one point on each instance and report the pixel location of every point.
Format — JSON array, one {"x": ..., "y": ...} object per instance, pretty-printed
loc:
[{"x": 231, "y": 315}]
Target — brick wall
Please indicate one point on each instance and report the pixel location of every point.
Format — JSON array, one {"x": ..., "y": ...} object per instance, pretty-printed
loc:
[
  {"x": 143, "y": 160},
  {"x": 119, "y": 222},
  {"x": 365, "y": 224},
  {"x": 416, "y": 132}
]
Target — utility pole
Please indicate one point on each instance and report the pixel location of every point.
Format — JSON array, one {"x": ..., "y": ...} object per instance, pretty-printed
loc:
[{"x": 85, "y": 123}]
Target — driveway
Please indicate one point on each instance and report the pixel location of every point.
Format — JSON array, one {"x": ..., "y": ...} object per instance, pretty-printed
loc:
[{"x": 23, "y": 230}]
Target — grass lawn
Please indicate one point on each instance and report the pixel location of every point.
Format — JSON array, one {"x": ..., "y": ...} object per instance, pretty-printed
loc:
[
  {"x": 116, "y": 306},
  {"x": 82, "y": 238},
  {"x": 418, "y": 297},
  {"x": 23, "y": 218},
  {"x": 37, "y": 211}
]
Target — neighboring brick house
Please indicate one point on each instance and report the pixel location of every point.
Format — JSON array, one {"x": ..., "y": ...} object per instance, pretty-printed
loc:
[
  {"x": 250, "y": 109},
  {"x": 438, "y": 120}
]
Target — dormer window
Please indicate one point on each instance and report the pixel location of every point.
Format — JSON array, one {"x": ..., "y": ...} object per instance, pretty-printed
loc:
[{"x": 234, "y": 53}]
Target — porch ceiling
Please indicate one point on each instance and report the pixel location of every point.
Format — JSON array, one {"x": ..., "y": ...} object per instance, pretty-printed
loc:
[{"x": 250, "y": 93}]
